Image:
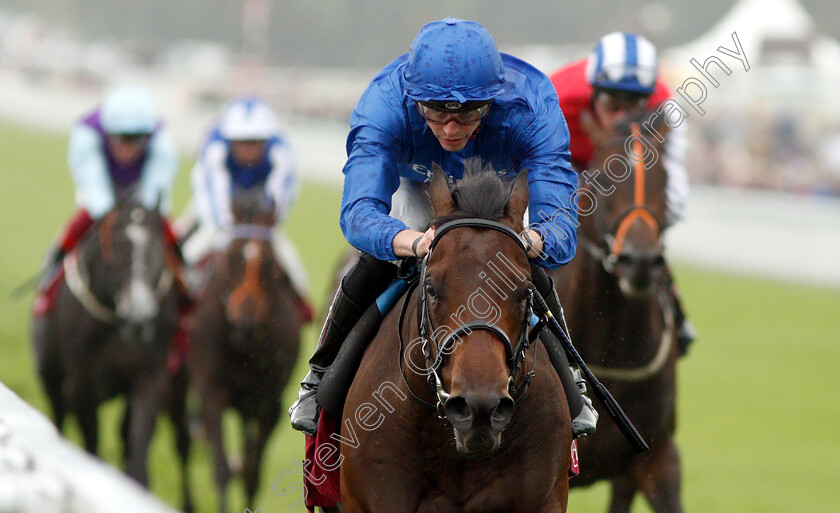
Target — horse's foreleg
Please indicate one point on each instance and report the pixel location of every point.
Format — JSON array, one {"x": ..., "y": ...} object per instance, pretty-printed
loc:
[
  {"x": 48, "y": 365},
  {"x": 214, "y": 400},
  {"x": 657, "y": 474},
  {"x": 83, "y": 401},
  {"x": 125, "y": 427},
  {"x": 255, "y": 440},
  {"x": 146, "y": 395},
  {"x": 623, "y": 491},
  {"x": 177, "y": 409},
  {"x": 53, "y": 378}
]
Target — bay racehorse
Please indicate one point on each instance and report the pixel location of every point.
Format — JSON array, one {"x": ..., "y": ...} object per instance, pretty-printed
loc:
[
  {"x": 621, "y": 318},
  {"x": 245, "y": 337},
  {"x": 109, "y": 333},
  {"x": 441, "y": 416}
]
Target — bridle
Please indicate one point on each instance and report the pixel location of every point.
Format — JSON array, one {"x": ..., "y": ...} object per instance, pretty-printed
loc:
[
  {"x": 611, "y": 243},
  {"x": 435, "y": 350}
]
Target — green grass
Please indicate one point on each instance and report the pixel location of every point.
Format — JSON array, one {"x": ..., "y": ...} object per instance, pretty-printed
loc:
[{"x": 759, "y": 416}]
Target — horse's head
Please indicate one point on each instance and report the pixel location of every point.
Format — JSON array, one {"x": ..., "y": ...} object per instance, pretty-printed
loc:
[
  {"x": 124, "y": 274},
  {"x": 623, "y": 226},
  {"x": 249, "y": 264},
  {"x": 475, "y": 302}
]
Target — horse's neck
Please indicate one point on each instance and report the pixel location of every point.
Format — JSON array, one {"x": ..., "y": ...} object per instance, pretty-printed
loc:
[{"x": 598, "y": 312}]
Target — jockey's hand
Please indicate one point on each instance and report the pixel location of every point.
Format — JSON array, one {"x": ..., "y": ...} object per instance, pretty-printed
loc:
[
  {"x": 404, "y": 242},
  {"x": 536, "y": 242}
]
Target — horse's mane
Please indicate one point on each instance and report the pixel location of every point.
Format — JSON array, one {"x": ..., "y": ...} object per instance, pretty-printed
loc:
[{"x": 480, "y": 194}]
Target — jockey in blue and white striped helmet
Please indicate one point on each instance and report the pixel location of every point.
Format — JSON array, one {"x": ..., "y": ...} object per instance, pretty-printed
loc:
[{"x": 623, "y": 61}]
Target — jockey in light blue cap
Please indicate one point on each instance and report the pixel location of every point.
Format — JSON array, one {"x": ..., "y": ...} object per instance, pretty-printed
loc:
[
  {"x": 451, "y": 97},
  {"x": 120, "y": 147}
]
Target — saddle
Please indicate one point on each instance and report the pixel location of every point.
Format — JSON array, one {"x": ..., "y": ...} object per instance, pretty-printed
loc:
[{"x": 336, "y": 382}]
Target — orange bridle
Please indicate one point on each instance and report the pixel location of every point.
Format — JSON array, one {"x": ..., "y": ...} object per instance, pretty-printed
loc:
[{"x": 639, "y": 209}]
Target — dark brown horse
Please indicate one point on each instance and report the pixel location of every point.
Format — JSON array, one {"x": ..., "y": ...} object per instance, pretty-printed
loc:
[
  {"x": 245, "y": 335},
  {"x": 109, "y": 334},
  {"x": 455, "y": 348},
  {"x": 621, "y": 319}
]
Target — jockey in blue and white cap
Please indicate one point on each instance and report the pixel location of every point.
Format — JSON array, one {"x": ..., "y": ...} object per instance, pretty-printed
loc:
[
  {"x": 620, "y": 77},
  {"x": 245, "y": 149},
  {"x": 452, "y": 97}
]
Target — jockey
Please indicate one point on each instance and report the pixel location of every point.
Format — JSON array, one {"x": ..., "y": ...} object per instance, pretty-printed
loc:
[
  {"x": 120, "y": 146},
  {"x": 243, "y": 150},
  {"x": 428, "y": 106},
  {"x": 619, "y": 78}
]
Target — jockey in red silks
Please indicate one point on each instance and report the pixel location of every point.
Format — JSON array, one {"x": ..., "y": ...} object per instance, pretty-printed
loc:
[
  {"x": 119, "y": 145},
  {"x": 618, "y": 78},
  {"x": 244, "y": 150}
]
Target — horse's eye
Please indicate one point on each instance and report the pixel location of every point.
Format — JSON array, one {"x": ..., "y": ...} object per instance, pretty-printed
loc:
[{"x": 430, "y": 291}]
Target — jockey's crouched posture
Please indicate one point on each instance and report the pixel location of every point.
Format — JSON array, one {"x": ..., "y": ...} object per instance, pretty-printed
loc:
[
  {"x": 453, "y": 96},
  {"x": 245, "y": 149},
  {"x": 120, "y": 146},
  {"x": 619, "y": 78}
]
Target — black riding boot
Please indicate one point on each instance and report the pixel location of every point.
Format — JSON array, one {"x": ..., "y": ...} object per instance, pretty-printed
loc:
[
  {"x": 584, "y": 415},
  {"x": 685, "y": 330},
  {"x": 359, "y": 288}
]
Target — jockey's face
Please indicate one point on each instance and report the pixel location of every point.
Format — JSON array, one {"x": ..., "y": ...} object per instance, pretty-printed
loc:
[
  {"x": 247, "y": 153},
  {"x": 611, "y": 107},
  {"x": 452, "y": 130},
  {"x": 127, "y": 149}
]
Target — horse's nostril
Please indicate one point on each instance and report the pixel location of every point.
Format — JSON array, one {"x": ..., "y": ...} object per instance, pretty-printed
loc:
[
  {"x": 624, "y": 260},
  {"x": 502, "y": 414},
  {"x": 458, "y": 412}
]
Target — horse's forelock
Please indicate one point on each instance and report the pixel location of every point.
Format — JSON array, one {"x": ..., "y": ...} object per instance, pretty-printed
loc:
[{"x": 480, "y": 194}]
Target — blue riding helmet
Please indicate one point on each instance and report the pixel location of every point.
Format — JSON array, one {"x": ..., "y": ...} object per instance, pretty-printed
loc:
[
  {"x": 128, "y": 110},
  {"x": 624, "y": 62},
  {"x": 455, "y": 63}
]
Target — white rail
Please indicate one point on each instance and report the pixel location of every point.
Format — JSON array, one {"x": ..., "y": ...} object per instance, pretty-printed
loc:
[
  {"x": 40, "y": 472},
  {"x": 784, "y": 236}
]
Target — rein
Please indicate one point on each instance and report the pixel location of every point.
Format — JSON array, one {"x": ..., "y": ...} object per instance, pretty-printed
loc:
[
  {"x": 251, "y": 231},
  {"x": 79, "y": 285},
  {"x": 434, "y": 351},
  {"x": 656, "y": 364},
  {"x": 78, "y": 281}
]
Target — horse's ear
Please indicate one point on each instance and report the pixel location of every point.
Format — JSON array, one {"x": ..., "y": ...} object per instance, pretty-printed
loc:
[
  {"x": 518, "y": 201},
  {"x": 439, "y": 193}
]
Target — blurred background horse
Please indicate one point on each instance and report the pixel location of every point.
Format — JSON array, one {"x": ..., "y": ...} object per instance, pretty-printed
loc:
[
  {"x": 109, "y": 331},
  {"x": 245, "y": 338},
  {"x": 621, "y": 318}
]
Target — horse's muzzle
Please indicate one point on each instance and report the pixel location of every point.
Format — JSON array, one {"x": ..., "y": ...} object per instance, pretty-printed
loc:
[
  {"x": 638, "y": 273},
  {"x": 478, "y": 422},
  {"x": 144, "y": 332}
]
